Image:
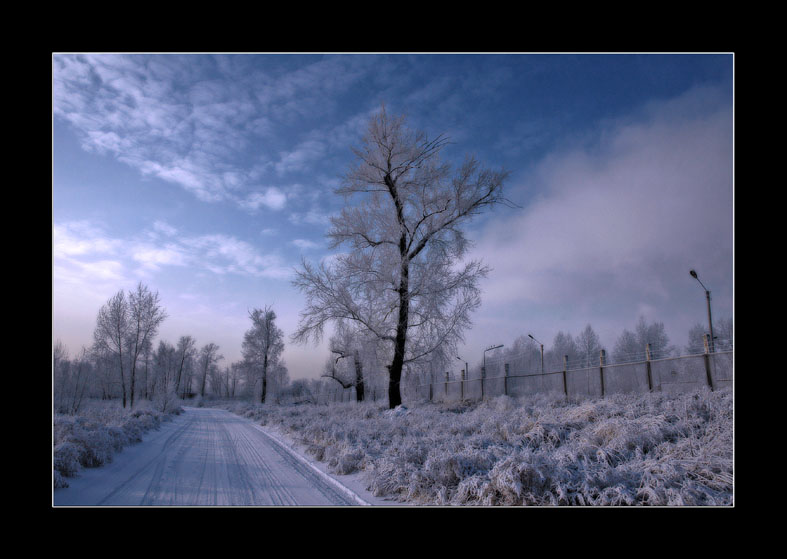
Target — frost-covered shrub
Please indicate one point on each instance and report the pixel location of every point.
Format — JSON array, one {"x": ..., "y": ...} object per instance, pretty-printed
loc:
[
  {"x": 66, "y": 458},
  {"x": 92, "y": 438},
  {"x": 622, "y": 450}
]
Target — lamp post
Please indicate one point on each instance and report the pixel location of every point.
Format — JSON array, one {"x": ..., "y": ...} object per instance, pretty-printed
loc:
[
  {"x": 489, "y": 349},
  {"x": 465, "y": 362},
  {"x": 483, "y": 371},
  {"x": 707, "y": 297},
  {"x": 542, "y": 351}
]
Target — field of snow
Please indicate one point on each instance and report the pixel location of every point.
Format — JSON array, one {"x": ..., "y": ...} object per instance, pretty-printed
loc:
[{"x": 647, "y": 449}]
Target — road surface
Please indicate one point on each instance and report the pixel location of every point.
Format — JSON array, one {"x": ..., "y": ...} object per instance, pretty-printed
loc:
[{"x": 204, "y": 457}]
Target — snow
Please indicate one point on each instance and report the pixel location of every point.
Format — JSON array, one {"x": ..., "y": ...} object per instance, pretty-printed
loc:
[
  {"x": 655, "y": 449},
  {"x": 626, "y": 449},
  {"x": 205, "y": 457}
]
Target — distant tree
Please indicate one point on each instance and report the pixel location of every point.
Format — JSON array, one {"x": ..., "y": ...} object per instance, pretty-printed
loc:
[
  {"x": 627, "y": 348},
  {"x": 722, "y": 332},
  {"x": 588, "y": 347},
  {"x": 402, "y": 280},
  {"x": 631, "y": 346},
  {"x": 145, "y": 315},
  {"x": 262, "y": 345},
  {"x": 111, "y": 333},
  {"x": 208, "y": 357},
  {"x": 654, "y": 334},
  {"x": 185, "y": 352},
  {"x": 562, "y": 345}
]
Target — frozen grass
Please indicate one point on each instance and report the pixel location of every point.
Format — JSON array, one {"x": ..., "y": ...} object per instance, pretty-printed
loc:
[
  {"x": 652, "y": 449},
  {"x": 91, "y": 438}
]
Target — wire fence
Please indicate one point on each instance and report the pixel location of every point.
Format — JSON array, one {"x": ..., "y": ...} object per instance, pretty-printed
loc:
[{"x": 520, "y": 376}]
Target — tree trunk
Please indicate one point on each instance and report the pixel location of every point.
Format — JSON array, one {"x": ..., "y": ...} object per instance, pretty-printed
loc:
[
  {"x": 395, "y": 369},
  {"x": 359, "y": 389},
  {"x": 264, "y": 378}
]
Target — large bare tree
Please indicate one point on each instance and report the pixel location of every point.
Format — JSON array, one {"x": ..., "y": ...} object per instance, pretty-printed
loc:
[{"x": 403, "y": 280}]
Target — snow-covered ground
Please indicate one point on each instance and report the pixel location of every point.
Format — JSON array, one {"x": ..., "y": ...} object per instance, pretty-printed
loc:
[
  {"x": 205, "y": 457},
  {"x": 638, "y": 449}
]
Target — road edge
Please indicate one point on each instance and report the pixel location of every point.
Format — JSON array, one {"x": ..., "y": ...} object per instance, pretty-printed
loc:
[{"x": 333, "y": 481}]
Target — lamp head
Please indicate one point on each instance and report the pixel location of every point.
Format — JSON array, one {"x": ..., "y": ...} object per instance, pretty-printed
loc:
[{"x": 693, "y": 274}]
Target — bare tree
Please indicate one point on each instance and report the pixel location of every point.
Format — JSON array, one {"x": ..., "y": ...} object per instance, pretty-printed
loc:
[
  {"x": 588, "y": 347},
  {"x": 262, "y": 345},
  {"x": 111, "y": 333},
  {"x": 403, "y": 280},
  {"x": 346, "y": 344},
  {"x": 145, "y": 315},
  {"x": 208, "y": 357},
  {"x": 185, "y": 350}
]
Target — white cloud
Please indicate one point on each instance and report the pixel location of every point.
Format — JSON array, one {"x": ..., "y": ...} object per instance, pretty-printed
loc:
[
  {"x": 305, "y": 244},
  {"x": 621, "y": 221},
  {"x": 272, "y": 198},
  {"x": 81, "y": 251}
]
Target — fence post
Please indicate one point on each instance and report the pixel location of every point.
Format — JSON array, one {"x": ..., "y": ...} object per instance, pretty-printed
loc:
[
  {"x": 565, "y": 368},
  {"x": 483, "y": 378},
  {"x": 706, "y": 357},
  {"x": 647, "y": 365},
  {"x": 601, "y": 369},
  {"x": 505, "y": 379},
  {"x": 462, "y": 387},
  {"x": 431, "y": 384}
]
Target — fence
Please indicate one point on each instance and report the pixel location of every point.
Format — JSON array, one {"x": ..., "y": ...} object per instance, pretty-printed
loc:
[
  {"x": 668, "y": 374},
  {"x": 514, "y": 378}
]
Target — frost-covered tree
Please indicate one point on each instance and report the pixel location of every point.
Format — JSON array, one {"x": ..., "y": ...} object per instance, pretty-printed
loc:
[
  {"x": 145, "y": 315},
  {"x": 187, "y": 347},
  {"x": 562, "y": 345},
  {"x": 208, "y": 357},
  {"x": 722, "y": 332},
  {"x": 262, "y": 346},
  {"x": 631, "y": 346},
  {"x": 403, "y": 279},
  {"x": 588, "y": 347},
  {"x": 124, "y": 328},
  {"x": 110, "y": 336},
  {"x": 346, "y": 365}
]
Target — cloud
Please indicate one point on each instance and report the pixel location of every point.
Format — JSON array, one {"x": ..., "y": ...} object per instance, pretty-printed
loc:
[
  {"x": 305, "y": 244},
  {"x": 271, "y": 198},
  {"x": 84, "y": 252},
  {"x": 622, "y": 217}
]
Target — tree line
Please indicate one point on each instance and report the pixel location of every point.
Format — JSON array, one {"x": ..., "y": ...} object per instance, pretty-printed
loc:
[{"x": 125, "y": 363}]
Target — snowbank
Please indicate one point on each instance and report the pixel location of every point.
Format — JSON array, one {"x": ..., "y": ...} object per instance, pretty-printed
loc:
[{"x": 91, "y": 438}]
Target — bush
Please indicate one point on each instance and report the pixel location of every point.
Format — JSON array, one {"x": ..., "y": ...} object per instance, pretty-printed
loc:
[{"x": 91, "y": 439}]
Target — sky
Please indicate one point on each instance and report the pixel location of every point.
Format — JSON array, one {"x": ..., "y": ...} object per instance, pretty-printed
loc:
[{"x": 209, "y": 177}]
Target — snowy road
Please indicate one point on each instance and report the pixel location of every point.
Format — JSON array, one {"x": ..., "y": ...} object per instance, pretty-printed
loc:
[{"x": 204, "y": 457}]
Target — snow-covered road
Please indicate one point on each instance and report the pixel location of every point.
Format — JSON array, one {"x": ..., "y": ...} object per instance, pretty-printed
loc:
[{"x": 205, "y": 457}]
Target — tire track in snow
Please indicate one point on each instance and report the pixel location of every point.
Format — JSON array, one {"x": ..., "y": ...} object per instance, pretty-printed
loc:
[{"x": 212, "y": 457}]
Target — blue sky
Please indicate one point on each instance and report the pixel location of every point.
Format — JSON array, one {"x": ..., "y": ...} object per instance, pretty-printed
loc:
[{"x": 209, "y": 177}]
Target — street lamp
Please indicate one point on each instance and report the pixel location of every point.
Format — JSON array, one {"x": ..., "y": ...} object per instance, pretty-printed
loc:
[
  {"x": 489, "y": 349},
  {"x": 460, "y": 359},
  {"x": 707, "y": 297},
  {"x": 542, "y": 351}
]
